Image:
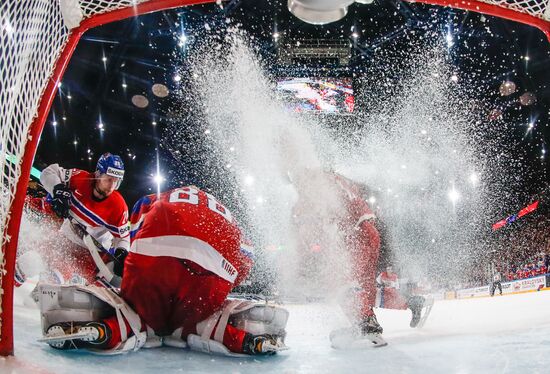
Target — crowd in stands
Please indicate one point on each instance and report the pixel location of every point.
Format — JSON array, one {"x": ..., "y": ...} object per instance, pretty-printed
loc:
[
  {"x": 532, "y": 268},
  {"x": 524, "y": 251}
]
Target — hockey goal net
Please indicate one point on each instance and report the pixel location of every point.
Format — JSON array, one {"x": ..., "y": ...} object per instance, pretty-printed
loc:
[{"x": 37, "y": 38}]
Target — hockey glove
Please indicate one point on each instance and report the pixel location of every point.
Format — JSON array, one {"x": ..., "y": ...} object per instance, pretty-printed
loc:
[
  {"x": 61, "y": 200},
  {"x": 119, "y": 255}
]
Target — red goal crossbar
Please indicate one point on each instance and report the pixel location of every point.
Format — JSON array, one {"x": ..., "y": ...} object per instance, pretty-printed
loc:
[
  {"x": 529, "y": 14},
  {"x": 23, "y": 110}
]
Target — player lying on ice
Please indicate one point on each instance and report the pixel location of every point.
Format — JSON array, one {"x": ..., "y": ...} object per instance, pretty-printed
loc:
[
  {"x": 391, "y": 297},
  {"x": 184, "y": 259}
]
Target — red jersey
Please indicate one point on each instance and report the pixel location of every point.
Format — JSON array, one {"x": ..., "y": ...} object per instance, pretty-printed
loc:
[
  {"x": 40, "y": 205},
  {"x": 190, "y": 224},
  {"x": 358, "y": 210},
  {"x": 389, "y": 280},
  {"x": 106, "y": 220}
]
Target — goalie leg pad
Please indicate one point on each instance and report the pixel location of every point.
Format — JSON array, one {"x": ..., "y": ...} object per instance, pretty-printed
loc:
[
  {"x": 253, "y": 318},
  {"x": 261, "y": 319},
  {"x": 197, "y": 343},
  {"x": 175, "y": 340},
  {"x": 76, "y": 303}
]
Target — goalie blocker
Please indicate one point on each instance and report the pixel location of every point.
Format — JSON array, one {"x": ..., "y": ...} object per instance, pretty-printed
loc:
[{"x": 98, "y": 320}]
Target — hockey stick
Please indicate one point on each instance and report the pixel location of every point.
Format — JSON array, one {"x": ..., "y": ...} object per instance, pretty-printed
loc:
[
  {"x": 104, "y": 272},
  {"x": 105, "y": 275},
  {"x": 81, "y": 232}
]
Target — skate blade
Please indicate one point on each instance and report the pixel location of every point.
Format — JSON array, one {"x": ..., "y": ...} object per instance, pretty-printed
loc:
[
  {"x": 62, "y": 338},
  {"x": 278, "y": 348},
  {"x": 350, "y": 339},
  {"x": 427, "y": 310}
]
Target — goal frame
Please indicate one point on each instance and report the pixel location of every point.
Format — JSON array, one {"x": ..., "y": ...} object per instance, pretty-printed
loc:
[
  {"x": 16, "y": 209},
  {"x": 11, "y": 229}
]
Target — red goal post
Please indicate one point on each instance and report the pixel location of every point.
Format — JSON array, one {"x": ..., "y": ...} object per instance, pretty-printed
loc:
[{"x": 37, "y": 39}]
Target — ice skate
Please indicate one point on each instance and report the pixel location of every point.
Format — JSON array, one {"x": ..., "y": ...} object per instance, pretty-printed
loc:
[
  {"x": 367, "y": 334},
  {"x": 263, "y": 344},
  {"x": 370, "y": 325},
  {"x": 77, "y": 335}
]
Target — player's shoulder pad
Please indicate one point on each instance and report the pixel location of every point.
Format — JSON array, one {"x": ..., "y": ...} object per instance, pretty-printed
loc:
[
  {"x": 77, "y": 174},
  {"x": 145, "y": 200}
]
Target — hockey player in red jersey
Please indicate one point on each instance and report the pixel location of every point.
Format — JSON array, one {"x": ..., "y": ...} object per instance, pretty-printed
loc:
[
  {"x": 341, "y": 202},
  {"x": 184, "y": 259},
  {"x": 391, "y": 297},
  {"x": 363, "y": 241},
  {"x": 90, "y": 205}
]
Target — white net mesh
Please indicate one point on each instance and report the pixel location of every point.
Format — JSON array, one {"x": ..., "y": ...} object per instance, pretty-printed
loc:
[
  {"x": 32, "y": 37},
  {"x": 537, "y": 8}
]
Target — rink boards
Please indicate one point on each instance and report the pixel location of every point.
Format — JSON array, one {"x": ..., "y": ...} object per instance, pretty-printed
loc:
[{"x": 533, "y": 284}]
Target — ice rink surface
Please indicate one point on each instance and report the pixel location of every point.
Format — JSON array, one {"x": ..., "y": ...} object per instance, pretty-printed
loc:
[{"x": 509, "y": 334}]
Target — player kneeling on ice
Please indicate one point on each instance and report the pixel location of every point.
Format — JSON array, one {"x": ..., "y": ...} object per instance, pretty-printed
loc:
[
  {"x": 185, "y": 257},
  {"x": 392, "y": 298}
]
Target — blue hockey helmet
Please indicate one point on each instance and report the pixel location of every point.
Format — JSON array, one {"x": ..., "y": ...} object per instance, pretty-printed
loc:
[{"x": 111, "y": 165}]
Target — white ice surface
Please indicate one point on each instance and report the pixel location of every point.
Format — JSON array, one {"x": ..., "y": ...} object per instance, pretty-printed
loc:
[{"x": 509, "y": 334}]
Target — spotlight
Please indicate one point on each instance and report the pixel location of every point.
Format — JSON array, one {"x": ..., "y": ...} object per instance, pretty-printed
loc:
[
  {"x": 182, "y": 40},
  {"x": 158, "y": 178}
]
